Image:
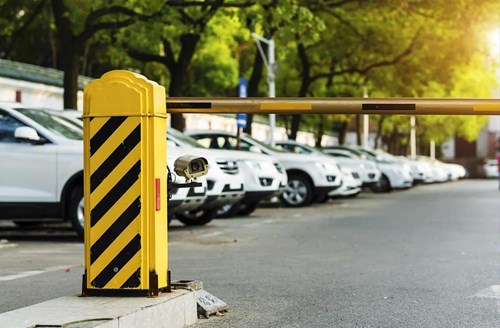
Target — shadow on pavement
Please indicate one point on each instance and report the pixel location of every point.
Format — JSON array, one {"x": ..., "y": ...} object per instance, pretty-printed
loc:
[{"x": 53, "y": 232}]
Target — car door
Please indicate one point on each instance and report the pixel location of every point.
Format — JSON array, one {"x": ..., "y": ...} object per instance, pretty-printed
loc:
[{"x": 27, "y": 170}]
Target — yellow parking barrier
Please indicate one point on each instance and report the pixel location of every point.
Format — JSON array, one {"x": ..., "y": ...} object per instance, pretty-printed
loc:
[{"x": 125, "y": 204}]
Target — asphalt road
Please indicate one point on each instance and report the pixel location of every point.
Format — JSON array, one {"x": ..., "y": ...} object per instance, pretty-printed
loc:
[{"x": 426, "y": 257}]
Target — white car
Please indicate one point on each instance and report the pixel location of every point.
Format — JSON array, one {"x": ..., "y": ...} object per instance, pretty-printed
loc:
[
  {"x": 367, "y": 170},
  {"x": 263, "y": 176},
  {"x": 420, "y": 171},
  {"x": 444, "y": 171},
  {"x": 310, "y": 177},
  {"x": 491, "y": 168},
  {"x": 351, "y": 184},
  {"x": 41, "y": 160},
  {"x": 394, "y": 174}
]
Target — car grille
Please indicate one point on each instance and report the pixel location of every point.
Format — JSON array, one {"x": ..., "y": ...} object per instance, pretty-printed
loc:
[
  {"x": 279, "y": 167},
  {"x": 355, "y": 175},
  {"x": 229, "y": 167}
]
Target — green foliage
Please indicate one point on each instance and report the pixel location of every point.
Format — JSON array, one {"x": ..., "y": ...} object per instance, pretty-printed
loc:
[
  {"x": 409, "y": 48},
  {"x": 214, "y": 71}
]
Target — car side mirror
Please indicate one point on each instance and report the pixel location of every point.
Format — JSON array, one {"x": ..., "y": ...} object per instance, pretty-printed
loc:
[{"x": 26, "y": 133}]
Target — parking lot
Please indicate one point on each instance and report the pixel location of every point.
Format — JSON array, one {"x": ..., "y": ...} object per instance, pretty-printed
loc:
[{"x": 414, "y": 258}]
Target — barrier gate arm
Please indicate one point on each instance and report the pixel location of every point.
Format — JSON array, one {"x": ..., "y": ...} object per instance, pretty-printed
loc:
[{"x": 388, "y": 106}]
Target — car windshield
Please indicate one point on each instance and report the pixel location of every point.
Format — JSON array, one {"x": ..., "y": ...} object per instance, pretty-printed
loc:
[
  {"x": 66, "y": 120},
  {"x": 266, "y": 146},
  {"x": 185, "y": 139},
  {"x": 53, "y": 123}
]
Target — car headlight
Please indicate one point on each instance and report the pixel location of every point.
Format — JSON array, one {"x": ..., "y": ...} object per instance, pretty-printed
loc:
[
  {"x": 325, "y": 166},
  {"x": 255, "y": 164},
  {"x": 345, "y": 170}
]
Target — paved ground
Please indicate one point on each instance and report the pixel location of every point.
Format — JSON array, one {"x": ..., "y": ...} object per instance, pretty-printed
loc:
[{"x": 426, "y": 257}]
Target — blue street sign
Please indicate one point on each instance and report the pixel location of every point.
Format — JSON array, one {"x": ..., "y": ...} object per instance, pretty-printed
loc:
[
  {"x": 242, "y": 87},
  {"x": 242, "y": 120},
  {"x": 242, "y": 92}
]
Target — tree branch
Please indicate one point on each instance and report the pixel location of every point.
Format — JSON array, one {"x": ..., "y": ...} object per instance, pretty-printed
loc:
[
  {"x": 143, "y": 56},
  {"x": 183, "y": 3},
  {"x": 25, "y": 25},
  {"x": 366, "y": 69},
  {"x": 169, "y": 58}
]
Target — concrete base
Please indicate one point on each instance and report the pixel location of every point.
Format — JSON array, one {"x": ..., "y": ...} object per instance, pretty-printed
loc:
[{"x": 176, "y": 309}]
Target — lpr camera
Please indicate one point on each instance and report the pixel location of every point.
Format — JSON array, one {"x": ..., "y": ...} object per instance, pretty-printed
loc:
[{"x": 190, "y": 166}]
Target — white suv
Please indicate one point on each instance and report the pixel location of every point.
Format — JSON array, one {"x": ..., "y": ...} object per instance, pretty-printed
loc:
[
  {"x": 310, "y": 177},
  {"x": 42, "y": 167},
  {"x": 263, "y": 175},
  {"x": 224, "y": 180},
  {"x": 367, "y": 170}
]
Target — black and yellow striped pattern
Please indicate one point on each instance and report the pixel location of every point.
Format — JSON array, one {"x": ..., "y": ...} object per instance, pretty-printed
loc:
[{"x": 115, "y": 203}]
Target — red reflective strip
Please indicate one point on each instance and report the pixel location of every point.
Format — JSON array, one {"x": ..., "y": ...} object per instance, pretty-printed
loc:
[{"x": 158, "y": 194}]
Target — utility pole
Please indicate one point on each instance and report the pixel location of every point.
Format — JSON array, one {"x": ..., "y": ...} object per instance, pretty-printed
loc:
[
  {"x": 413, "y": 137},
  {"x": 270, "y": 62},
  {"x": 366, "y": 121}
]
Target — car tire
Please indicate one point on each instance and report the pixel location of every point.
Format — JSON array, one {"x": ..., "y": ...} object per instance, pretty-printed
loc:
[
  {"x": 76, "y": 209},
  {"x": 247, "y": 209},
  {"x": 229, "y": 210},
  {"x": 298, "y": 192},
  {"x": 321, "y": 198},
  {"x": 382, "y": 185},
  {"x": 197, "y": 217}
]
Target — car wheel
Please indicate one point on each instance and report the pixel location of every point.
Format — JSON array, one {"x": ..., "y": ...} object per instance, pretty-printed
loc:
[
  {"x": 229, "y": 210},
  {"x": 321, "y": 198},
  {"x": 197, "y": 217},
  {"x": 247, "y": 209},
  {"x": 76, "y": 210},
  {"x": 298, "y": 192},
  {"x": 383, "y": 185}
]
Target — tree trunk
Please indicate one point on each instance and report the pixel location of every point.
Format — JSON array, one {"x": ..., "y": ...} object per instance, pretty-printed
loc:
[
  {"x": 319, "y": 135},
  {"x": 341, "y": 129},
  {"x": 294, "y": 128},
  {"x": 179, "y": 73},
  {"x": 380, "y": 125},
  {"x": 71, "y": 67},
  {"x": 358, "y": 130},
  {"x": 304, "y": 86},
  {"x": 253, "y": 84}
]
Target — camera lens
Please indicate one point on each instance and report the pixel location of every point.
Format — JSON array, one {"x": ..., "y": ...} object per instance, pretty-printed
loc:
[{"x": 195, "y": 167}]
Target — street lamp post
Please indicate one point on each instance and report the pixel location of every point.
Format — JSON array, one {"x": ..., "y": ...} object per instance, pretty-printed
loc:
[
  {"x": 270, "y": 62},
  {"x": 366, "y": 122}
]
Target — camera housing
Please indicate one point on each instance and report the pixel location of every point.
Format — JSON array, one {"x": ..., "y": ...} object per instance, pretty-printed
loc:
[{"x": 191, "y": 167}]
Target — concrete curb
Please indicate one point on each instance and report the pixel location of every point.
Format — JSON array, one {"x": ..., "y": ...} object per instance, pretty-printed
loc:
[{"x": 173, "y": 310}]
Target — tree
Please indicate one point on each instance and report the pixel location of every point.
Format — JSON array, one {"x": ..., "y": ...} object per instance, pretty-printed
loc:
[
  {"x": 24, "y": 26},
  {"x": 178, "y": 40},
  {"x": 77, "y": 23}
]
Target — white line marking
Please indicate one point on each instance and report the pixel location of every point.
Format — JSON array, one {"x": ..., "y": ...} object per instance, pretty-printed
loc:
[
  {"x": 490, "y": 292},
  {"x": 34, "y": 272}
]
